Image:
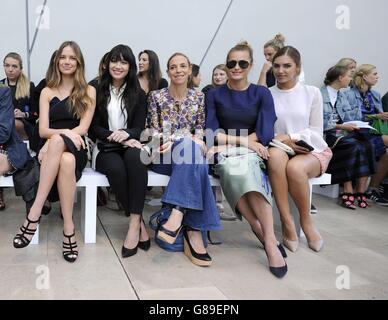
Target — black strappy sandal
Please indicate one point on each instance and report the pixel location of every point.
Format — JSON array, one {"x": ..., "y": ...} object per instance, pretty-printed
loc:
[
  {"x": 69, "y": 254},
  {"x": 20, "y": 240},
  {"x": 347, "y": 201}
]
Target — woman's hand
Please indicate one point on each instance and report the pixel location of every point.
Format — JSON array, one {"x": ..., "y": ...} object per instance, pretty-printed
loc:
[
  {"x": 383, "y": 115},
  {"x": 295, "y": 147},
  {"x": 165, "y": 147},
  {"x": 76, "y": 139},
  {"x": 19, "y": 114},
  {"x": 347, "y": 127},
  {"x": 133, "y": 143},
  {"x": 118, "y": 136},
  {"x": 201, "y": 144},
  {"x": 266, "y": 66},
  {"x": 43, "y": 151},
  {"x": 259, "y": 149}
]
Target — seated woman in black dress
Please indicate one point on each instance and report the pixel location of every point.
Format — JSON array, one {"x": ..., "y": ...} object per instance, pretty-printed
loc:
[
  {"x": 66, "y": 111},
  {"x": 120, "y": 117}
]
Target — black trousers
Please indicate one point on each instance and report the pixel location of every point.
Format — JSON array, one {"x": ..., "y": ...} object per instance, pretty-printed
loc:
[{"x": 127, "y": 176}]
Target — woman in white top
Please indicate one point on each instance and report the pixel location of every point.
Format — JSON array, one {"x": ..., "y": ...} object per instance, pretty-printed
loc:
[
  {"x": 119, "y": 119},
  {"x": 299, "y": 113}
]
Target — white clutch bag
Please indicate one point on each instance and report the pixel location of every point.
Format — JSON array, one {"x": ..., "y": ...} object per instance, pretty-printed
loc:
[{"x": 277, "y": 144}]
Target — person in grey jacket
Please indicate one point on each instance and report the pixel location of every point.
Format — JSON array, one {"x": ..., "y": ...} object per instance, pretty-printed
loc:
[{"x": 13, "y": 152}]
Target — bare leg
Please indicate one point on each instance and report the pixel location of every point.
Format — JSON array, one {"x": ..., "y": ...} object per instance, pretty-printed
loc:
[
  {"x": 382, "y": 171},
  {"x": 348, "y": 187},
  {"x": 277, "y": 165},
  {"x": 133, "y": 235},
  {"x": 246, "y": 210},
  {"x": 66, "y": 189},
  {"x": 299, "y": 170},
  {"x": 263, "y": 211},
  {"x": 361, "y": 184},
  {"x": 48, "y": 172}
]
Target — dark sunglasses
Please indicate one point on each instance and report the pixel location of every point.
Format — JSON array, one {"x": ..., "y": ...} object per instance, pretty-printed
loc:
[{"x": 242, "y": 63}]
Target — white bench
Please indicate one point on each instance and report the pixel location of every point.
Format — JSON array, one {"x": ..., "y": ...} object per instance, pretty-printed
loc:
[
  {"x": 92, "y": 179},
  {"x": 88, "y": 184}
]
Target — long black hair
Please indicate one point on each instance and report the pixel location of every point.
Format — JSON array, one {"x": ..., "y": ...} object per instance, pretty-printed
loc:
[
  {"x": 132, "y": 89},
  {"x": 153, "y": 73}
]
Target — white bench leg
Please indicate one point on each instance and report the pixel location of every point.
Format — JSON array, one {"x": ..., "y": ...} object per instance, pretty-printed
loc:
[
  {"x": 89, "y": 213},
  {"x": 35, "y": 238}
]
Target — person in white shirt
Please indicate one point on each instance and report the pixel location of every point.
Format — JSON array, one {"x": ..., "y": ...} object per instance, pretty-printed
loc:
[
  {"x": 119, "y": 119},
  {"x": 299, "y": 113}
]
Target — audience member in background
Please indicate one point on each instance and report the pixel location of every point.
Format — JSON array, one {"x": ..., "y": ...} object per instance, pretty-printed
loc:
[
  {"x": 299, "y": 113},
  {"x": 361, "y": 96},
  {"x": 272, "y": 46},
  {"x": 22, "y": 89},
  {"x": 353, "y": 155},
  {"x": 219, "y": 77},
  {"x": 248, "y": 110},
  {"x": 178, "y": 113},
  {"x": 348, "y": 63},
  {"x": 66, "y": 111},
  {"x": 195, "y": 78},
  {"x": 150, "y": 75},
  {"x": 101, "y": 68},
  {"x": 13, "y": 152},
  {"x": 120, "y": 117},
  {"x": 384, "y": 101}
]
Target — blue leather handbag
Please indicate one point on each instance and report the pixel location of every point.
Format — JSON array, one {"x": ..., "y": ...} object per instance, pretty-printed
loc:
[{"x": 159, "y": 218}]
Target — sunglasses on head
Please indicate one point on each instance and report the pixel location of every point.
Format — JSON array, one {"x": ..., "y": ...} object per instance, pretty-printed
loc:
[{"x": 242, "y": 63}]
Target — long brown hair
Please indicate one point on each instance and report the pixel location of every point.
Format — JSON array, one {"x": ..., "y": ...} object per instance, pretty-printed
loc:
[
  {"x": 22, "y": 84},
  {"x": 79, "y": 98}
]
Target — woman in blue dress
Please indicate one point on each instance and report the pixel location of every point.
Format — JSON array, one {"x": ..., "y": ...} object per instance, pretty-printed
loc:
[{"x": 241, "y": 114}]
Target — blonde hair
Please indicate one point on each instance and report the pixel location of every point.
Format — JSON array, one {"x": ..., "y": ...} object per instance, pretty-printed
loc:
[
  {"x": 362, "y": 71},
  {"x": 241, "y": 46},
  {"x": 277, "y": 42},
  {"x": 345, "y": 62},
  {"x": 22, "y": 84},
  {"x": 79, "y": 98}
]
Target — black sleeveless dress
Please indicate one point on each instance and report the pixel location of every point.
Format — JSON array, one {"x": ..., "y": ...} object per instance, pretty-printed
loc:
[{"x": 60, "y": 117}]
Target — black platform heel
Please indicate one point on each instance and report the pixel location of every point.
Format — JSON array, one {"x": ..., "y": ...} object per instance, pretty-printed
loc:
[
  {"x": 69, "y": 254},
  {"x": 168, "y": 235},
  {"x": 280, "y": 247},
  {"x": 20, "y": 240},
  {"x": 199, "y": 259}
]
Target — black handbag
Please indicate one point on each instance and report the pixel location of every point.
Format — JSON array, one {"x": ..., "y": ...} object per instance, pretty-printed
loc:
[
  {"x": 26, "y": 180},
  {"x": 110, "y": 146}
]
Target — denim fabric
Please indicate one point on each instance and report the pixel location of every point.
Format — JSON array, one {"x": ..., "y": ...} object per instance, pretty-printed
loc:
[
  {"x": 355, "y": 100},
  {"x": 189, "y": 185},
  {"x": 346, "y": 111}
]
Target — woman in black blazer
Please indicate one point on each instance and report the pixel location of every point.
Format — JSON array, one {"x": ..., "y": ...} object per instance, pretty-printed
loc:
[{"x": 120, "y": 118}]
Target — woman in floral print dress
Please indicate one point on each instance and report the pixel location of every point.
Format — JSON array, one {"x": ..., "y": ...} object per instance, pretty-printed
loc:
[{"x": 177, "y": 118}]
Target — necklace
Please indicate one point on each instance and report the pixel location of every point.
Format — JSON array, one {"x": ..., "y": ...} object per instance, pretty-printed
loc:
[{"x": 243, "y": 89}]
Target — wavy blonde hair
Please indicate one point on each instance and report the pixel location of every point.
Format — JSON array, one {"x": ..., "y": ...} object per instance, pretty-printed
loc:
[
  {"x": 79, "y": 98},
  {"x": 22, "y": 84},
  {"x": 277, "y": 42},
  {"x": 362, "y": 71}
]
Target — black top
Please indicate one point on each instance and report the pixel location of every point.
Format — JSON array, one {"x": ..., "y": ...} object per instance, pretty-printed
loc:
[
  {"x": 384, "y": 101},
  {"x": 99, "y": 128},
  {"x": 206, "y": 89},
  {"x": 270, "y": 78},
  {"x": 163, "y": 83},
  {"x": 24, "y": 104}
]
